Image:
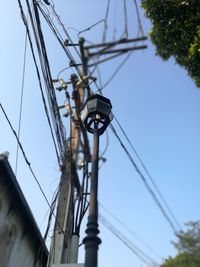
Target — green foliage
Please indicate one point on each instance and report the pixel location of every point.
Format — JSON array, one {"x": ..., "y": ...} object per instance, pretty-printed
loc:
[
  {"x": 176, "y": 32},
  {"x": 183, "y": 260},
  {"x": 189, "y": 241},
  {"x": 188, "y": 245}
]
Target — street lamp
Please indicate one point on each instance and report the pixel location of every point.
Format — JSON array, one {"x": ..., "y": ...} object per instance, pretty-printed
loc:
[{"x": 96, "y": 116}]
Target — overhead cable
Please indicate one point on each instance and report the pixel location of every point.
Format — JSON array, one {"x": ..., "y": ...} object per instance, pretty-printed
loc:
[
  {"x": 21, "y": 101},
  {"x": 137, "y": 251},
  {"x": 144, "y": 180},
  {"x": 149, "y": 176},
  {"x": 140, "y": 27},
  {"x": 156, "y": 200},
  {"x": 90, "y": 27},
  {"x": 24, "y": 155},
  {"x": 125, "y": 20},
  {"x": 106, "y": 21},
  {"x": 116, "y": 71},
  {"x": 152, "y": 193},
  {"x": 28, "y": 162},
  {"x": 38, "y": 75},
  {"x": 53, "y": 205},
  {"x": 130, "y": 231},
  {"x": 61, "y": 41},
  {"x": 54, "y": 111}
]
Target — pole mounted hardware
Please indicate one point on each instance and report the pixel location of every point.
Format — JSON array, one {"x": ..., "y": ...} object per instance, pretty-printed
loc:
[
  {"x": 114, "y": 48},
  {"x": 96, "y": 116}
]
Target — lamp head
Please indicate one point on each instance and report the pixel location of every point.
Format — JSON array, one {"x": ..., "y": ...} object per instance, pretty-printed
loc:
[{"x": 96, "y": 114}]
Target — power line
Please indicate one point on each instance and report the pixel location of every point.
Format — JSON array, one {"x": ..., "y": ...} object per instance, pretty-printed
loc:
[
  {"x": 149, "y": 175},
  {"x": 140, "y": 27},
  {"x": 71, "y": 58},
  {"x": 125, "y": 20},
  {"x": 28, "y": 163},
  {"x": 46, "y": 111},
  {"x": 74, "y": 46},
  {"x": 38, "y": 75},
  {"x": 130, "y": 231},
  {"x": 116, "y": 71},
  {"x": 152, "y": 193},
  {"x": 144, "y": 180},
  {"x": 90, "y": 27},
  {"x": 63, "y": 27},
  {"x": 106, "y": 21},
  {"x": 60, "y": 39},
  {"x": 70, "y": 55},
  {"x": 137, "y": 251},
  {"x": 106, "y": 146},
  {"x": 24, "y": 155},
  {"x": 146, "y": 170},
  {"x": 81, "y": 207},
  {"x": 53, "y": 205},
  {"x": 115, "y": 20},
  {"x": 44, "y": 62},
  {"x": 61, "y": 42},
  {"x": 58, "y": 75},
  {"x": 21, "y": 101}
]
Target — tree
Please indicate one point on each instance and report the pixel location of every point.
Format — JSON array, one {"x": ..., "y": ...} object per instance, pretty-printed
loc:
[
  {"x": 188, "y": 246},
  {"x": 189, "y": 241},
  {"x": 183, "y": 260},
  {"x": 176, "y": 32}
]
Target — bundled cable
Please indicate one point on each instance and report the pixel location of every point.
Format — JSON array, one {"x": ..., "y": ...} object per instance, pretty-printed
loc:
[{"x": 54, "y": 111}]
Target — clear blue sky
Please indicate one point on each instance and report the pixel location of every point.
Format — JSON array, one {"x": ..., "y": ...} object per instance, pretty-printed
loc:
[{"x": 156, "y": 103}]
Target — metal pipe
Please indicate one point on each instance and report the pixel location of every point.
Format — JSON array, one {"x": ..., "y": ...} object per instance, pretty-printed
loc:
[{"x": 91, "y": 240}]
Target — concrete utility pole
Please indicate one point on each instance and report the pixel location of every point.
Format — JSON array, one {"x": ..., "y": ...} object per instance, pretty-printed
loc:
[
  {"x": 62, "y": 229},
  {"x": 65, "y": 243}
]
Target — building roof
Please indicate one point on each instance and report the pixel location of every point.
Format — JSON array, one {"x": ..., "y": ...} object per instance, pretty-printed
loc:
[{"x": 7, "y": 176}]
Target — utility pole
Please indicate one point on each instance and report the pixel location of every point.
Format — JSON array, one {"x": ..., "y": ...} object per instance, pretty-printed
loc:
[
  {"x": 93, "y": 115},
  {"x": 65, "y": 243},
  {"x": 74, "y": 192},
  {"x": 62, "y": 230}
]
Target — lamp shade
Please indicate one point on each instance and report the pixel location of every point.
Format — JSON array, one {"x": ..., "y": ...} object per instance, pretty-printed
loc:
[{"x": 96, "y": 114}]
